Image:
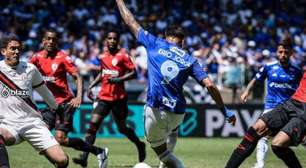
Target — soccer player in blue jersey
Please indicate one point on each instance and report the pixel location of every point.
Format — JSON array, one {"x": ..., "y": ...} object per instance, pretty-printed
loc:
[
  {"x": 169, "y": 67},
  {"x": 282, "y": 80}
]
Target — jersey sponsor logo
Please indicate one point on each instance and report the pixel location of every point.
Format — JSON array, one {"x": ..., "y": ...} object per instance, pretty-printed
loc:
[
  {"x": 6, "y": 92},
  {"x": 49, "y": 78},
  {"x": 114, "y": 62},
  {"x": 113, "y": 73},
  {"x": 275, "y": 67},
  {"x": 169, "y": 102},
  {"x": 280, "y": 85},
  {"x": 174, "y": 57},
  {"x": 54, "y": 67},
  {"x": 178, "y": 51}
]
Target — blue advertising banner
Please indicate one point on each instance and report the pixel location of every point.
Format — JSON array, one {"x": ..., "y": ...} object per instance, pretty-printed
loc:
[{"x": 200, "y": 121}]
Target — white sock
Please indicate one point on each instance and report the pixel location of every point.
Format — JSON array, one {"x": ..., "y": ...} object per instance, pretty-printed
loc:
[
  {"x": 171, "y": 140},
  {"x": 262, "y": 149},
  {"x": 171, "y": 143},
  {"x": 170, "y": 160}
]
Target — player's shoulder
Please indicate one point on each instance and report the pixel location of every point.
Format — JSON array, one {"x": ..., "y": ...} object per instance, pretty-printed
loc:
[
  {"x": 63, "y": 56},
  {"x": 271, "y": 64},
  {"x": 39, "y": 54},
  {"x": 27, "y": 65},
  {"x": 295, "y": 67},
  {"x": 123, "y": 52}
]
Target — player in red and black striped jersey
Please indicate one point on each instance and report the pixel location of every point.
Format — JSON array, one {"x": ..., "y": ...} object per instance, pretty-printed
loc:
[
  {"x": 116, "y": 67},
  {"x": 287, "y": 123},
  {"x": 54, "y": 65}
]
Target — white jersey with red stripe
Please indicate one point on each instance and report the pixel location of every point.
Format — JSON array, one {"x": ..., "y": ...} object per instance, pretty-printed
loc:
[{"x": 13, "y": 106}]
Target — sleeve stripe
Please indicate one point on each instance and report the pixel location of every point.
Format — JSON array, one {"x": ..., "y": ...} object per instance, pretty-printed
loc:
[{"x": 36, "y": 86}]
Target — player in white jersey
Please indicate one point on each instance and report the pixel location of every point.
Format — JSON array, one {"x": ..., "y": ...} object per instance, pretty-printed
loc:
[{"x": 19, "y": 118}]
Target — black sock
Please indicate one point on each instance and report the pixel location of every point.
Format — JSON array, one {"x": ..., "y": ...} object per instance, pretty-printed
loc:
[
  {"x": 287, "y": 155},
  {"x": 244, "y": 149},
  {"x": 4, "y": 160},
  {"x": 130, "y": 134},
  {"x": 89, "y": 139},
  {"x": 80, "y": 145}
]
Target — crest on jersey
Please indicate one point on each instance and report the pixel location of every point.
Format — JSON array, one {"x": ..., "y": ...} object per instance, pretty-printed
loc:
[
  {"x": 54, "y": 67},
  {"x": 114, "y": 62},
  {"x": 24, "y": 77}
]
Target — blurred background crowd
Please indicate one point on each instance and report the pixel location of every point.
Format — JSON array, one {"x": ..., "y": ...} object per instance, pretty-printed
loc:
[{"x": 230, "y": 38}]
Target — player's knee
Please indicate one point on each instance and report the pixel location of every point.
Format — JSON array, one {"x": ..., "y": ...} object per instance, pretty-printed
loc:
[
  {"x": 62, "y": 161},
  {"x": 261, "y": 128}
]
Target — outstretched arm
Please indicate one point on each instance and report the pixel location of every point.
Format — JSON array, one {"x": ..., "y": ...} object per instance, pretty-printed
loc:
[
  {"x": 128, "y": 18},
  {"x": 215, "y": 94},
  {"x": 247, "y": 91}
]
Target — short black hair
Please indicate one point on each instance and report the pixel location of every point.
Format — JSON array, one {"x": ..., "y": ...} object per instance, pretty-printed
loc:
[
  {"x": 51, "y": 30},
  {"x": 286, "y": 43},
  {"x": 112, "y": 31},
  {"x": 176, "y": 31},
  {"x": 7, "y": 39}
]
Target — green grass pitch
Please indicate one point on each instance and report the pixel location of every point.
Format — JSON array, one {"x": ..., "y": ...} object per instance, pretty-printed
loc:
[{"x": 194, "y": 152}]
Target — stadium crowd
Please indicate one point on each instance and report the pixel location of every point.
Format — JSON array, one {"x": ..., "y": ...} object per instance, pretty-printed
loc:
[{"x": 231, "y": 38}]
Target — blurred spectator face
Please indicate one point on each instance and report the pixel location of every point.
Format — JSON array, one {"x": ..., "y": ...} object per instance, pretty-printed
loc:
[
  {"x": 112, "y": 41},
  {"x": 50, "y": 41},
  {"x": 12, "y": 52},
  {"x": 283, "y": 54}
]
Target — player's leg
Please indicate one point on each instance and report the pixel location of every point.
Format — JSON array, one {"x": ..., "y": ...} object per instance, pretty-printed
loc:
[
  {"x": 171, "y": 143},
  {"x": 38, "y": 135},
  {"x": 158, "y": 125},
  {"x": 65, "y": 126},
  {"x": 100, "y": 111},
  {"x": 4, "y": 160},
  {"x": 291, "y": 134},
  {"x": 56, "y": 156},
  {"x": 5, "y": 138},
  {"x": 267, "y": 124},
  {"x": 120, "y": 113},
  {"x": 262, "y": 149}
]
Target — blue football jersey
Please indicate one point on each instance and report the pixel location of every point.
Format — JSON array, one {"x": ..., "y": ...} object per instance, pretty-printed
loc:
[
  {"x": 281, "y": 82},
  {"x": 169, "y": 67}
]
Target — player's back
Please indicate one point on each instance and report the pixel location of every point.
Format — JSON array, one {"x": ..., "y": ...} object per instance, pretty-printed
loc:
[
  {"x": 16, "y": 91},
  {"x": 168, "y": 69}
]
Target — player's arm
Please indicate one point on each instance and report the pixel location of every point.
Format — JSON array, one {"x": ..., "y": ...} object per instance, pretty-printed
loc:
[
  {"x": 128, "y": 18},
  {"x": 247, "y": 90},
  {"x": 202, "y": 78},
  {"x": 127, "y": 76},
  {"x": 260, "y": 76},
  {"x": 76, "y": 102},
  {"x": 93, "y": 84},
  {"x": 45, "y": 93},
  {"x": 215, "y": 94},
  {"x": 39, "y": 86}
]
